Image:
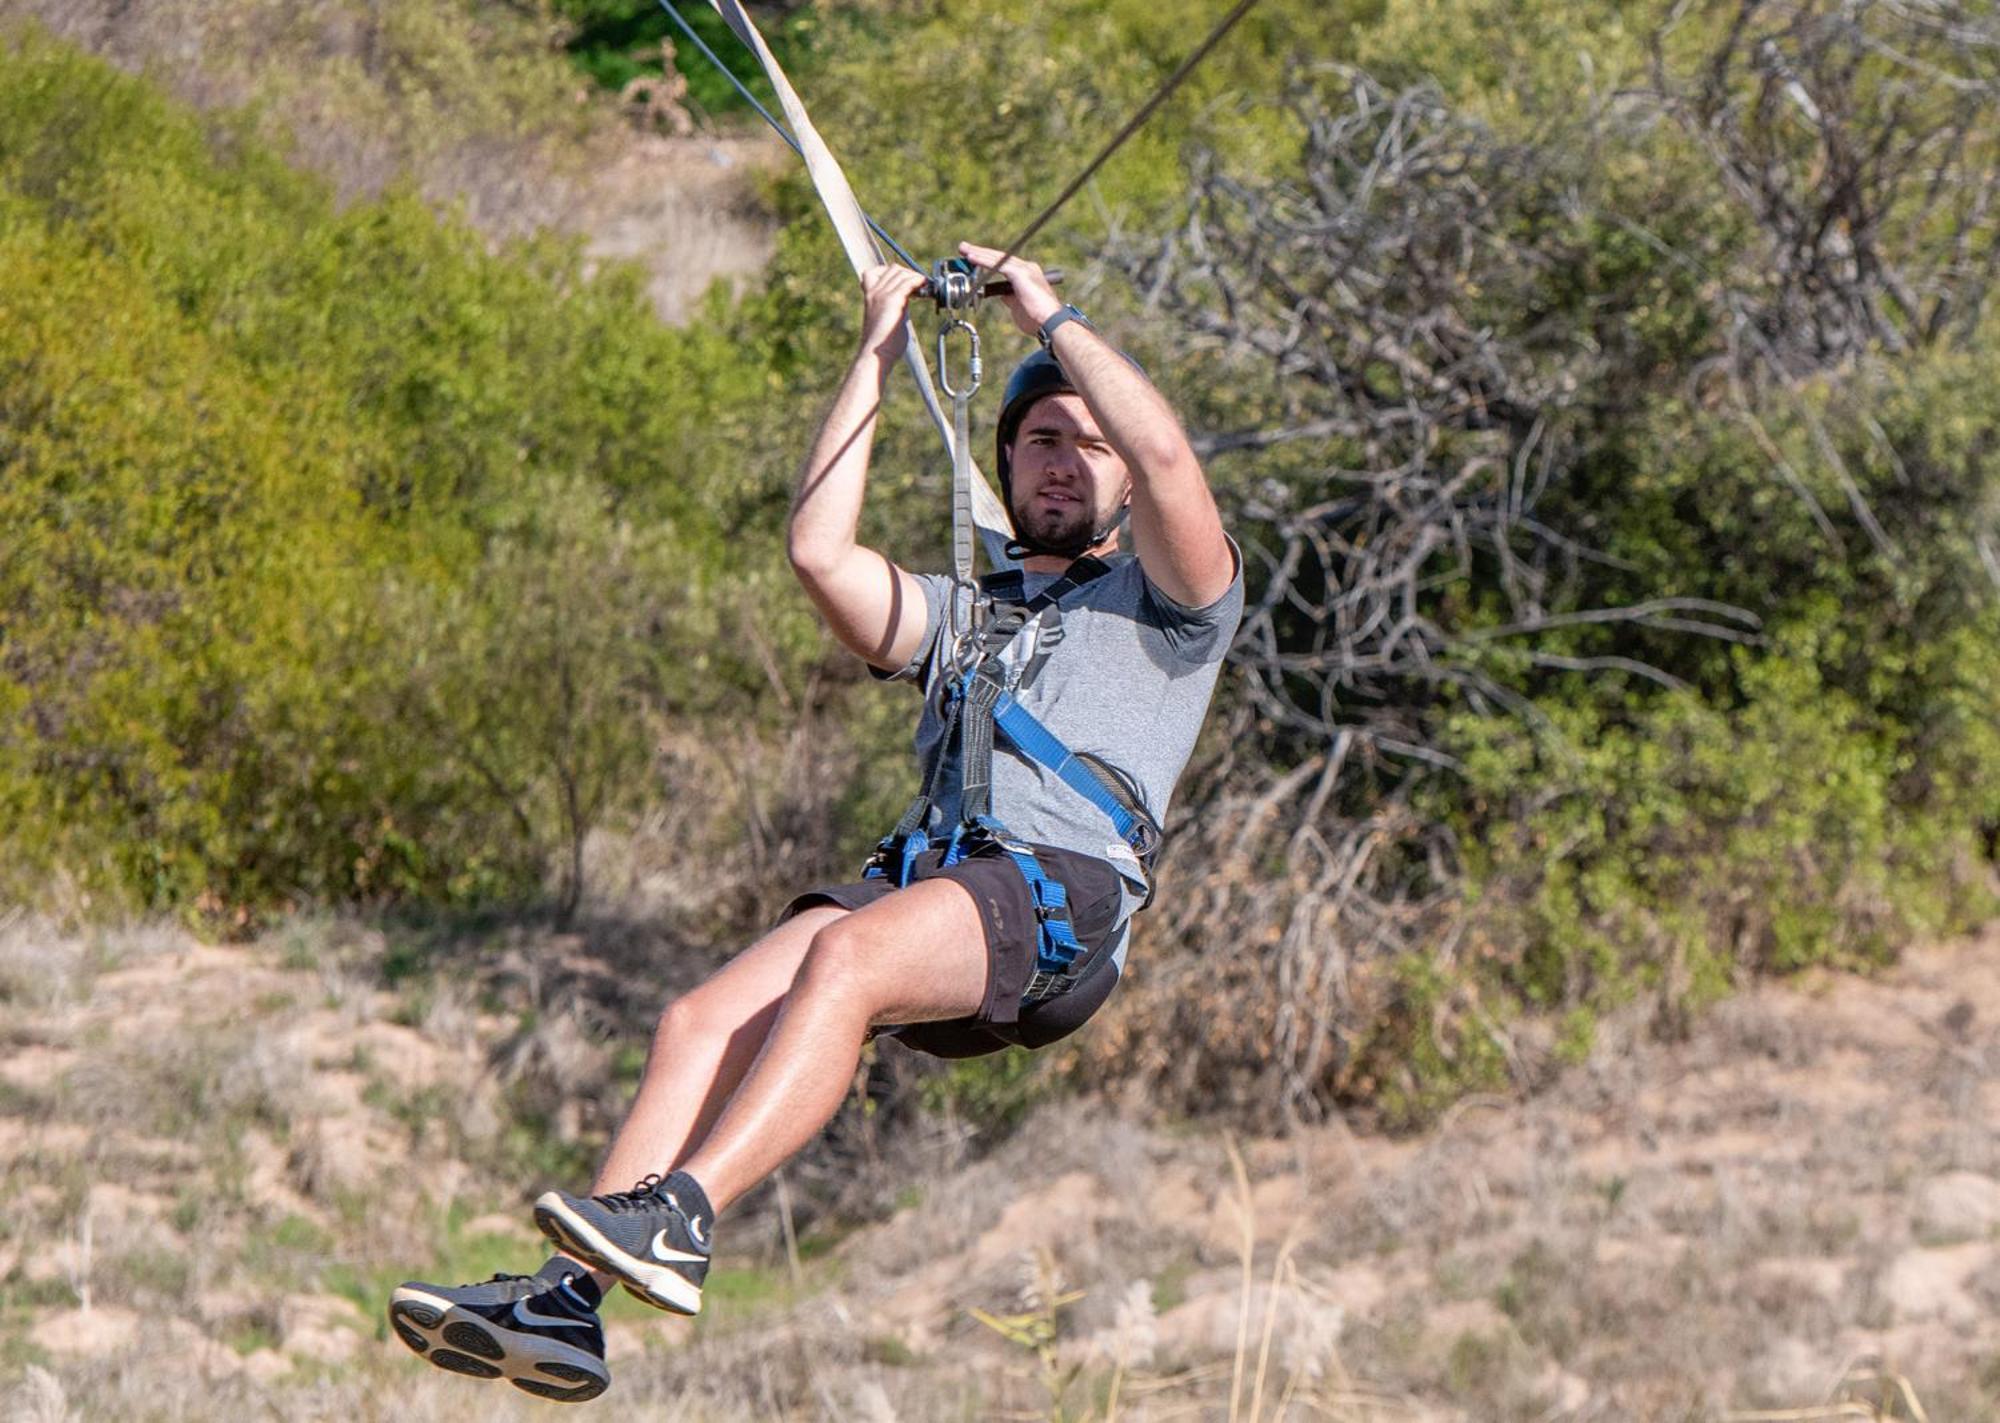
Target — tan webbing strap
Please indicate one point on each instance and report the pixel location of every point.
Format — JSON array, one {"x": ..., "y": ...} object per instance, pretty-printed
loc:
[{"x": 995, "y": 528}]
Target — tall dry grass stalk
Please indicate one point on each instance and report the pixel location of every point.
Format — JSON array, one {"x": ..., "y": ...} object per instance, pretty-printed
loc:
[
  {"x": 81, "y": 1260},
  {"x": 1036, "y": 1327},
  {"x": 1246, "y": 1222},
  {"x": 1343, "y": 1401}
]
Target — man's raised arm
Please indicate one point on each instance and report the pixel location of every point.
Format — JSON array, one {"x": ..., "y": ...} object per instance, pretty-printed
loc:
[
  {"x": 1176, "y": 529},
  {"x": 872, "y": 606}
]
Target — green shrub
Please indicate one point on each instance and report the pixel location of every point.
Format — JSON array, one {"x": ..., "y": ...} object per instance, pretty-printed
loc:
[
  {"x": 1502, "y": 790},
  {"x": 350, "y": 559}
]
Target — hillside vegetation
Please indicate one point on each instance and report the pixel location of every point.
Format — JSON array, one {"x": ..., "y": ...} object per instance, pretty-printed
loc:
[
  {"x": 467, "y": 102},
  {"x": 291, "y": 486},
  {"x": 1602, "y": 397}
]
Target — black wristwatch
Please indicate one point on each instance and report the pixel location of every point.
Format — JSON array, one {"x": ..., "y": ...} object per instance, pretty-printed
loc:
[{"x": 1046, "y": 333}]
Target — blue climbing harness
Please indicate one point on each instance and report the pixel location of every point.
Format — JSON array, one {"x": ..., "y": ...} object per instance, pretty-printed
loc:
[{"x": 977, "y": 702}]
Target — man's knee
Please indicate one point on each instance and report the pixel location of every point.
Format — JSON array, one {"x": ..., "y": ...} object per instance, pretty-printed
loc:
[
  {"x": 707, "y": 1013},
  {"x": 748, "y": 986},
  {"x": 842, "y": 956},
  {"x": 684, "y": 1018},
  {"x": 927, "y": 961}
]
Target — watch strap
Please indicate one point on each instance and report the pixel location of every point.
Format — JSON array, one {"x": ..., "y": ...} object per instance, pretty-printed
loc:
[{"x": 1046, "y": 333}]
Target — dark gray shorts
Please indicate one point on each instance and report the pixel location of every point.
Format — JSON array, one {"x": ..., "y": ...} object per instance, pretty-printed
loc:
[{"x": 1007, "y": 913}]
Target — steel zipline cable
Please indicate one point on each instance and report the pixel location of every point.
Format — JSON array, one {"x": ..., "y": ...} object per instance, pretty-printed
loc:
[
  {"x": 772, "y": 119},
  {"x": 858, "y": 234},
  {"x": 1132, "y": 126},
  {"x": 1117, "y": 140}
]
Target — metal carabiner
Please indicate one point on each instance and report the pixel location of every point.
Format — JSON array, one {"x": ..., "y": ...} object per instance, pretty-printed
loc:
[
  {"x": 973, "y": 365},
  {"x": 951, "y": 286},
  {"x": 964, "y": 626}
]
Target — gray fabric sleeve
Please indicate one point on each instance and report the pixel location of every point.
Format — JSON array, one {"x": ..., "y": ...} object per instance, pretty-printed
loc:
[
  {"x": 933, "y": 585},
  {"x": 1193, "y": 632}
]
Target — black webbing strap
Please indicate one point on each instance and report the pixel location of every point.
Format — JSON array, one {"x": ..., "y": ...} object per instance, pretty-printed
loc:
[
  {"x": 1045, "y": 610},
  {"x": 1005, "y": 586},
  {"x": 975, "y": 731},
  {"x": 983, "y": 689},
  {"x": 913, "y": 817}
]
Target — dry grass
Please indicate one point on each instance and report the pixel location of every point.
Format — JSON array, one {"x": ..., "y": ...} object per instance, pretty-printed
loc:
[
  {"x": 1867, "y": 1389},
  {"x": 1778, "y": 1219}
]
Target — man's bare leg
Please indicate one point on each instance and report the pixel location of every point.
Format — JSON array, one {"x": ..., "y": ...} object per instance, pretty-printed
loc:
[
  {"x": 705, "y": 1042},
  {"x": 702, "y": 1046},
  {"x": 918, "y": 955}
]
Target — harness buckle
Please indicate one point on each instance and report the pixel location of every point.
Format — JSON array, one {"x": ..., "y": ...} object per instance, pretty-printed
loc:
[{"x": 1044, "y": 984}]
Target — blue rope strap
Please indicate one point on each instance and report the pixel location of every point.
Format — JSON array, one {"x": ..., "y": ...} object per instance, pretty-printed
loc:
[
  {"x": 1056, "y": 944},
  {"x": 1039, "y": 744}
]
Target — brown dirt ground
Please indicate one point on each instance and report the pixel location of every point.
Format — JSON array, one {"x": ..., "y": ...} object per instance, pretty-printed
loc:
[{"x": 216, "y": 1161}]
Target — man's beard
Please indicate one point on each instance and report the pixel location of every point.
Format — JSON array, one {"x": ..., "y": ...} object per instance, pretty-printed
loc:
[{"x": 1067, "y": 530}]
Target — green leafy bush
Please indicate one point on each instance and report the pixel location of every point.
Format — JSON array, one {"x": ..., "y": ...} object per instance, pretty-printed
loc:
[
  {"x": 347, "y": 558},
  {"x": 1622, "y": 548}
]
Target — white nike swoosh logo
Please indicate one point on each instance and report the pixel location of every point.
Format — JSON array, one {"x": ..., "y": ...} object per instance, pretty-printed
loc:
[
  {"x": 527, "y": 1316},
  {"x": 668, "y": 1255}
]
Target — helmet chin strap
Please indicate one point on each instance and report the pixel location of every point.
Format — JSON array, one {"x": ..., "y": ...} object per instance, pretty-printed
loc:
[{"x": 1018, "y": 548}]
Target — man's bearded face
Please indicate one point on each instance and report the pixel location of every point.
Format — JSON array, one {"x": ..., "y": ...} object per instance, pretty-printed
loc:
[{"x": 1066, "y": 479}]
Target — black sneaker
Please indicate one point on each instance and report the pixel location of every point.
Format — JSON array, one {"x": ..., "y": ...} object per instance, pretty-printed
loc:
[
  {"x": 539, "y": 1332},
  {"x": 655, "y": 1245}
]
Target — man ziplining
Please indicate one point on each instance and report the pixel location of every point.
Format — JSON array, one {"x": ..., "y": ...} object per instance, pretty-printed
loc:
[{"x": 1053, "y": 730}]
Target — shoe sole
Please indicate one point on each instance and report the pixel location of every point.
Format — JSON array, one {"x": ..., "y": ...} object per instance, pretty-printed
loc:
[
  {"x": 461, "y": 1342},
  {"x": 645, "y": 1281}
]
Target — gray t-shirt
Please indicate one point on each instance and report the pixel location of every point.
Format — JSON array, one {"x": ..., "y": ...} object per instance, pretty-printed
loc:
[{"x": 1129, "y": 683}]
